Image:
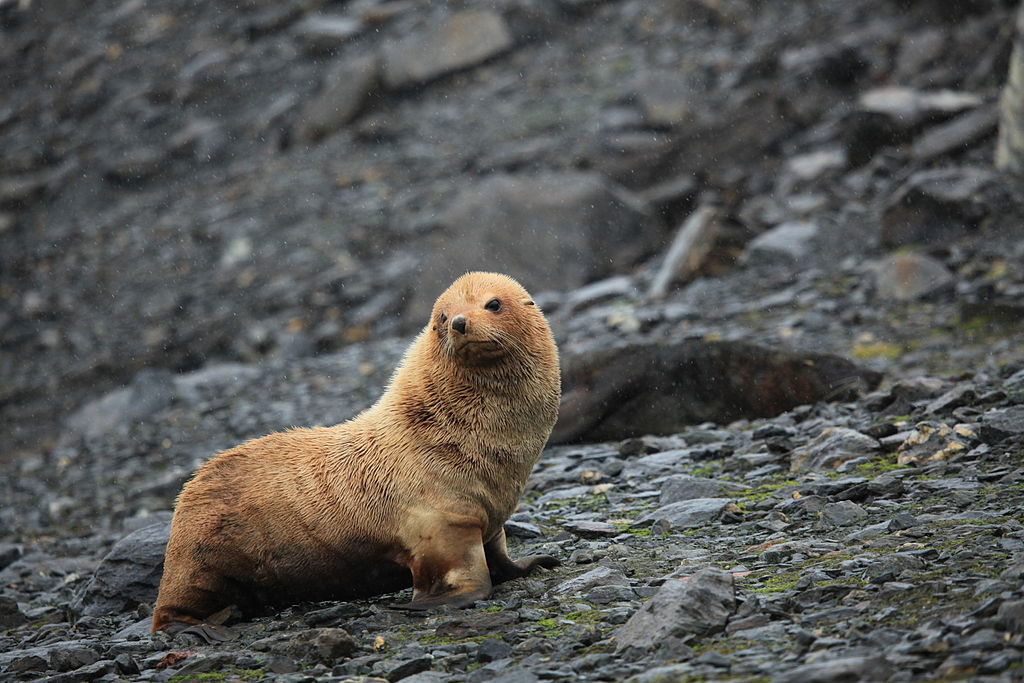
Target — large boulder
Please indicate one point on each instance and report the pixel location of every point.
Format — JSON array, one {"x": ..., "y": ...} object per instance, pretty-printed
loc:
[
  {"x": 551, "y": 231},
  {"x": 611, "y": 393},
  {"x": 129, "y": 574}
]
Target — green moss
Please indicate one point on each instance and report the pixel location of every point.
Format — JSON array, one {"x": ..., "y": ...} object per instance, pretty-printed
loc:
[
  {"x": 877, "y": 349},
  {"x": 432, "y": 639},
  {"x": 763, "y": 492},
  {"x": 878, "y": 465},
  {"x": 627, "y": 528}
]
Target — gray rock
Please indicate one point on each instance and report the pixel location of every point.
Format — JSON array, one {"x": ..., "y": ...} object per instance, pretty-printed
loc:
[
  {"x": 680, "y": 487},
  {"x": 90, "y": 672},
  {"x": 832, "y": 447},
  {"x": 908, "y": 275},
  {"x": 347, "y": 90},
  {"x": 10, "y": 615},
  {"x": 687, "y": 514},
  {"x": 398, "y": 670},
  {"x": 72, "y": 657},
  {"x": 843, "y": 513},
  {"x": 465, "y": 39},
  {"x": 688, "y": 252},
  {"x": 522, "y": 529},
  {"x": 603, "y": 595},
  {"x": 592, "y": 529},
  {"x": 553, "y": 230},
  {"x": 1001, "y": 423},
  {"x": 152, "y": 389},
  {"x": 493, "y": 649},
  {"x": 700, "y": 605},
  {"x": 956, "y": 135},
  {"x": 1011, "y": 615},
  {"x": 789, "y": 242},
  {"x": 936, "y": 206},
  {"x": 599, "y": 576},
  {"x": 128, "y": 575},
  {"x": 838, "y": 670}
]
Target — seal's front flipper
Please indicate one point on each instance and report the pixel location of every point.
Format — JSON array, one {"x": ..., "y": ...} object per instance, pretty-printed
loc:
[{"x": 448, "y": 565}]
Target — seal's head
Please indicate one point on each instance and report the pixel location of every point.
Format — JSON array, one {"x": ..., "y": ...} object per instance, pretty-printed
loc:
[{"x": 485, "y": 319}]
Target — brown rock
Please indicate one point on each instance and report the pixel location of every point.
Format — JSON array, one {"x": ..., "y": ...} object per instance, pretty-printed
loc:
[
  {"x": 617, "y": 393},
  {"x": 908, "y": 276}
]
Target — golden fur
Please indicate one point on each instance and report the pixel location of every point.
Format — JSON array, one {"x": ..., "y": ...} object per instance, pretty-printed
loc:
[{"x": 413, "y": 491}]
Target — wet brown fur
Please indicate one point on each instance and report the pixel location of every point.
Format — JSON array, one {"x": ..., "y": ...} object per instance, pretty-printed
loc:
[{"x": 413, "y": 491}]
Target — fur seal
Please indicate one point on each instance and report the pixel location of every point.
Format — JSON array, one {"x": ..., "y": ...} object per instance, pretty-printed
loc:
[{"x": 413, "y": 491}]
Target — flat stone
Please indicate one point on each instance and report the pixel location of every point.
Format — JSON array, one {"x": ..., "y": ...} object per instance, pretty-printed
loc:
[
  {"x": 687, "y": 514},
  {"x": 599, "y": 576},
  {"x": 680, "y": 487},
  {"x": 592, "y": 529},
  {"x": 699, "y": 605},
  {"x": 465, "y": 39},
  {"x": 956, "y": 135},
  {"x": 907, "y": 276}
]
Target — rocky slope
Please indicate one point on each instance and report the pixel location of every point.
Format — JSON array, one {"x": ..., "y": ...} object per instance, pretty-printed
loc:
[{"x": 218, "y": 222}]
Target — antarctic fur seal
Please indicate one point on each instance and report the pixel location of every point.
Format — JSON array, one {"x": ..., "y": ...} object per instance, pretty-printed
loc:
[{"x": 413, "y": 491}]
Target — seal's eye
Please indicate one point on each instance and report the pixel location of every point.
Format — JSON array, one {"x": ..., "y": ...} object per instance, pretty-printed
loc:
[
  {"x": 443, "y": 319},
  {"x": 493, "y": 305}
]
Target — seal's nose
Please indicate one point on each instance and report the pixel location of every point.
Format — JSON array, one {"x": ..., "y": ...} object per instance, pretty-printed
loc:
[{"x": 459, "y": 324}]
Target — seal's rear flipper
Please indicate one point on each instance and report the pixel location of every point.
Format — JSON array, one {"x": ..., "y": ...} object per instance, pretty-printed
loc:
[{"x": 208, "y": 633}]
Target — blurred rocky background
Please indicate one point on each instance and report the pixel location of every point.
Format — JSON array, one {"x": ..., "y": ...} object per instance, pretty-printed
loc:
[{"x": 780, "y": 221}]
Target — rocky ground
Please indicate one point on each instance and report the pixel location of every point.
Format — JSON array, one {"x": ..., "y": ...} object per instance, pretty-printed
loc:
[{"x": 216, "y": 223}]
